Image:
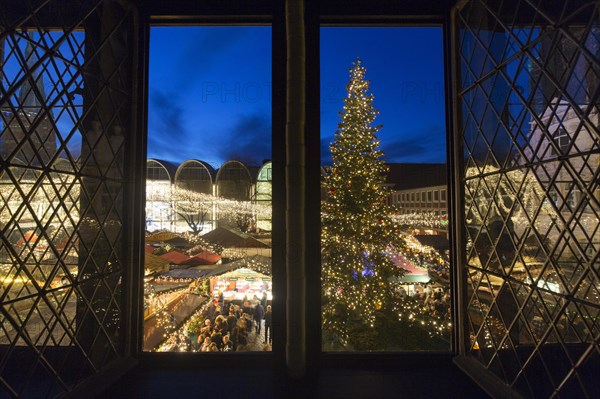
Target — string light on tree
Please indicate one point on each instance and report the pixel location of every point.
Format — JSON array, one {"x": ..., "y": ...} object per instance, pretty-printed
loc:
[{"x": 356, "y": 223}]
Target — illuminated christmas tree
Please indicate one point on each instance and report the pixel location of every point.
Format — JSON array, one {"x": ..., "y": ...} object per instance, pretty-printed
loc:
[{"x": 356, "y": 224}]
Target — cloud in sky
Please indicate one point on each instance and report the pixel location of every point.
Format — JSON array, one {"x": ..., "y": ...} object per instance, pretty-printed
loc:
[
  {"x": 168, "y": 114},
  {"x": 427, "y": 145},
  {"x": 210, "y": 91},
  {"x": 249, "y": 140},
  {"x": 418, "y": 146},
  {"x": 209, "y": 96},
  {"x": 245, "y": 138}
]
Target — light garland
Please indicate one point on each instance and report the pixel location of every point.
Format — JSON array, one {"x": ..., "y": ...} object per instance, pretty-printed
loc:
[
  {"x": 197, "y": 208},
  {"x": 491, "y": 193},
  {"x": 422, "y": 220},
  {"x": 200, "y": 244},
  {"x": 158, "y": 304}
]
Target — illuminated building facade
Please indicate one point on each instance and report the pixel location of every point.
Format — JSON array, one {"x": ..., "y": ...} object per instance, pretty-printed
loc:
[
  {"x": 418, "y": 188},
  {"x": 233, "y": 180}
]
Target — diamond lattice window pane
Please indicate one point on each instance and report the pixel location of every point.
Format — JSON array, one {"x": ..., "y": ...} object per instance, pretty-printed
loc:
[
  {"x": 531, "y": 190},
  {"x": 65, "y": 109}
]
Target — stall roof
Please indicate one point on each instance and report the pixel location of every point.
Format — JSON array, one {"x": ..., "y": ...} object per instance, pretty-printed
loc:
[
  {"x": 155, "y": 264},
  {"x": 230, "y": 238},
  {"x": 257, "y": 263},
  {"x": 29, "y": 236},
  {"x": 196, "y": 249},
  {"x": 244, "y": 272},
  {"x": 415, "y": 278},
  {"x": 178, "y": 242},
  {"x": 184, "y": 273},
  {"x": 204, "y": 258},
  {"x": 414, "y": 274},
  {"x": 161, "y": 236},
  {"x": 176, "y": 258}
]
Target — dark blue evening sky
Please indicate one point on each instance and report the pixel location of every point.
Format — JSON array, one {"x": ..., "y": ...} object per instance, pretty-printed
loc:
[
  {"x": 405, "y": 67},
  {"x": 210, "y": 94},
  {"x": 210, "y": 89}
]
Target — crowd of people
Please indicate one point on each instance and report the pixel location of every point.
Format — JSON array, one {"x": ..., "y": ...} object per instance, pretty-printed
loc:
[
  {"x": 229, "y": 327},
  {"x": 435, "y": 301},
  {"x": 435, "y": 297},
  {"x": 431, "y": 299}
]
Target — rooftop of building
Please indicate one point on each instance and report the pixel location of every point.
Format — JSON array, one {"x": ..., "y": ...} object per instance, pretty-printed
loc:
[{"x": 406, "y": 176}]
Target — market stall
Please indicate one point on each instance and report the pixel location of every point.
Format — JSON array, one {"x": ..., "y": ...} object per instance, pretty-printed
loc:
[
  {"x": 241, "y": 279},
  {"x": 241, "y": 283}
]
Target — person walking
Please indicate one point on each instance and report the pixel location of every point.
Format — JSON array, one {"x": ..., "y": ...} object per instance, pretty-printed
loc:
[
  {"x": 263, "y": 299},
  {"x": 231, "y": 320},
  {"x": 259, "y": 313},
  {"x": 268, "y": 324}
]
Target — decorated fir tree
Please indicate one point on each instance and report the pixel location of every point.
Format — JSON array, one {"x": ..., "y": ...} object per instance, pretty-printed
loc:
[{"x": 356, "y": 221}]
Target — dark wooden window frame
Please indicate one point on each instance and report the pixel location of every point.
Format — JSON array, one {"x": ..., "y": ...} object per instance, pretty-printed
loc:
[{"x": 317, "y": 15}]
